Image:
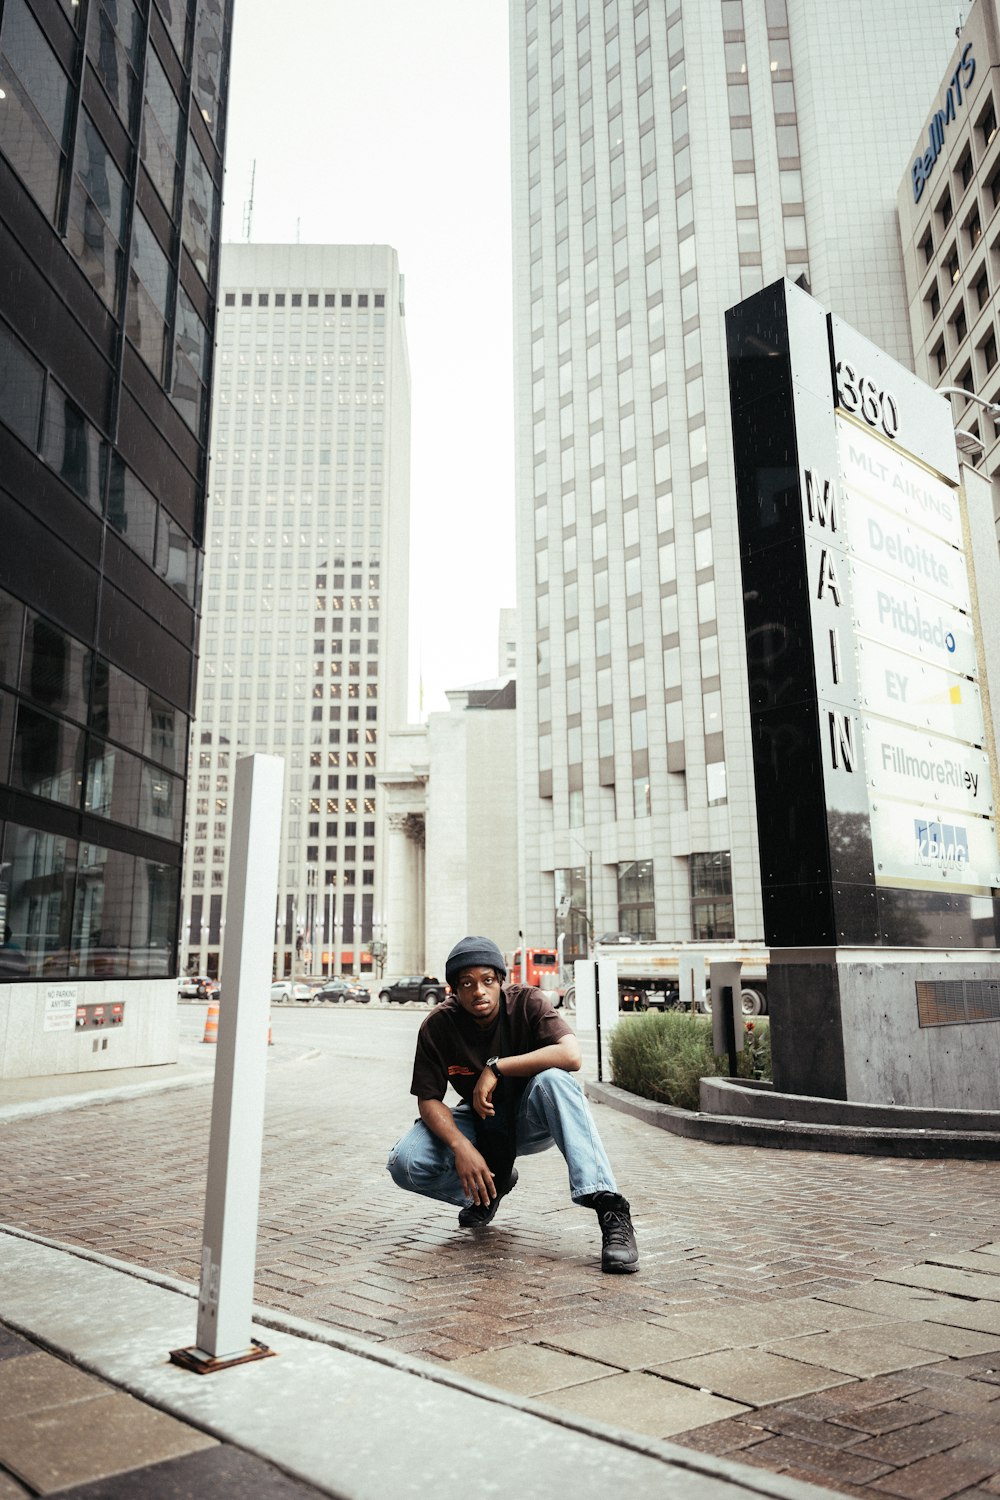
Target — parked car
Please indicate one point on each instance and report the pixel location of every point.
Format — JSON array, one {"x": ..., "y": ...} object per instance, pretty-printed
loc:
[
  {"x": 413, "y": 987},
  {"x": 335, "y": 991},
  {"x": 284, "y": 989},
  {"x": 197, "y": 987}
]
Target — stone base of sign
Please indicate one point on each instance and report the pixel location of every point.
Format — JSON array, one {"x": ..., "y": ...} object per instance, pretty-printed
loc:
[{"x": 914, "y": 1027}]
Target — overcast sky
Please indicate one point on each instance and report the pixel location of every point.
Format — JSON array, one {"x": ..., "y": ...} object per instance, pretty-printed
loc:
[{"x": 387, "y": 122}]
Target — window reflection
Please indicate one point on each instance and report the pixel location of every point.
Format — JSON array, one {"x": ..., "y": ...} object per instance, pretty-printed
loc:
[
  {"x": 132, "y": 510},
  {"x": 11, "y": 631},
  {"x": 36, "y": 892},
  {"x": 161, "y": 120},
  {"x": 72, "y": 447},
  {"x": 166, "y": 734},
  {"x": 207, "y": 66},
  {"x": 21, "y": 381},
  {"x": 116, "y": 53},
  {"x": 118, "y": 709},
  {"x": 95, "y": 231},
  {"x": 48, "y": 756},
  {"x": 102, "y": 912},
  {"x": 55, "y": 672},
  {"x": 36, "y": 117},
  {"x": 161, "y": 803},
  {"x": 190, "y": 349},
  {"x": 176, "y": 558},
  {"x": 154, "y": 918},
  {"x": 113, "y": 781},
  {"x": 149, "y": 293},
  {"x": 175, "y": 13},
  {"x": 200, "y": 199}
]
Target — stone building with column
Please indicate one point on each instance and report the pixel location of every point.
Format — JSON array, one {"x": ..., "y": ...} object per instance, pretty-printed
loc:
[{"x": 449, "y": 796}]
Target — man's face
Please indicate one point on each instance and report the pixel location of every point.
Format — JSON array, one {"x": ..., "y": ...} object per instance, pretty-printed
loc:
[{"x": 478, "y": 992}]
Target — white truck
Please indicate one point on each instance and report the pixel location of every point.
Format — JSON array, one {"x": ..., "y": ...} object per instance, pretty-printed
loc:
[{"x": 649, "y": 973}]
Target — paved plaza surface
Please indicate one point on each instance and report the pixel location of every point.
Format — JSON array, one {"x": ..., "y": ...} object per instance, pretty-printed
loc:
[{"x": 830, "y": 1318}]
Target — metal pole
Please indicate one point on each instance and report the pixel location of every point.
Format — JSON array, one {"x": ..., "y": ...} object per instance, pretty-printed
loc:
[
  {"x": 225, "y": 1299},
  {"x": 597, "y": 1009},
  {"x": 729, "y": 1023}
]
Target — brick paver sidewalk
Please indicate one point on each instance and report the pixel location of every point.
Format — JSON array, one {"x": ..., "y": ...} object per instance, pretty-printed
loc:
[{"x": 765, "y": 1323}]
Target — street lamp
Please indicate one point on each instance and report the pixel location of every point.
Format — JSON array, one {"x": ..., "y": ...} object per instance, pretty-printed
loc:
[
  {"x": 993, "y": 407},
  {"x": 967, "y": 442}
]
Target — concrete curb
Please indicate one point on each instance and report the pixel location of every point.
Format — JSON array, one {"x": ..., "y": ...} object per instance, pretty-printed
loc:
[
  {"x": 793, "y": 1135},
  {"x": 121, "y": 1361}
]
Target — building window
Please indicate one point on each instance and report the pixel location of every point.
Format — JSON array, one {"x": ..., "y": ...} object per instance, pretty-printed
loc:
[
  {"x": 933, "y": 301},
  {"x": 974, "y": 229},
  {"x": 115, "y": 52},
  {"x": 945, "y": 210},
  {"x": 161, "y": 131},
  {"x": 988, "y": 349},
  {"x": 95, "y": 231},
  {"x": 951, "y": 265},
  {"x": 988, "y": 123},
  {"x": 711, "y": 897},
  {"x": 982, "y": 289},
  {"x": 964, "y": 168},
  {"x": 150, "y": 293},
  {"x": 636, "y": 911},
  {"x": 939, "y": 357},
  {"x": 959, "y": 324},
  {"x": 927, "y": 246},
  {"x": 36, "y": 117}
]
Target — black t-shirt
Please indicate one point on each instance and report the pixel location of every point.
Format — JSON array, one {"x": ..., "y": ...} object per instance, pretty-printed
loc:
[{"x": 451, "y": 1048}]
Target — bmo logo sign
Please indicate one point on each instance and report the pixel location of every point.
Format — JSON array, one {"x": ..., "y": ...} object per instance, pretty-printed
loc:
[{"x": 860, "y": 396}]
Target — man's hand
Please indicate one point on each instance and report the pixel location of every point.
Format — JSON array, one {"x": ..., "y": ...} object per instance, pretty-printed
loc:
[
  {"x": 473, "y": 1173},
  {"x": 482, "y": 1094}
]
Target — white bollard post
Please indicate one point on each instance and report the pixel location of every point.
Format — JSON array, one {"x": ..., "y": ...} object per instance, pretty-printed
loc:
[{"x": 232, "y": 1194}]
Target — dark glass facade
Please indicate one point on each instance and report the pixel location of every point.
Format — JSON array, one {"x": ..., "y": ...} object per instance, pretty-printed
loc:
[{"x": 112, "y": 119}]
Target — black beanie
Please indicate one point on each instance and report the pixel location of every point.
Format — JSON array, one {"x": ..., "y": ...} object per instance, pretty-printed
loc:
[{"x": 474, "y": 953}]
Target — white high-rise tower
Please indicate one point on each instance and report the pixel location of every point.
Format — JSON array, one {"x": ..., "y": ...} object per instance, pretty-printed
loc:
[
  {"x": 304, "y": 627},
  {"x": 669, "y": 160}
]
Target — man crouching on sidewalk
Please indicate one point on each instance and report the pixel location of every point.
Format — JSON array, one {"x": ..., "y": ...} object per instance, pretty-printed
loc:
[{"x": 508, "y": 1054}]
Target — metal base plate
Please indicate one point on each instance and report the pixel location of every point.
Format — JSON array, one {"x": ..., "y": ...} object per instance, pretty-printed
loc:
[{"x": 200, "y": 1363}]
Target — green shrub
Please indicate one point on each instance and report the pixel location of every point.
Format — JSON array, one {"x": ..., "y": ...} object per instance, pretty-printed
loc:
[{"x": 664, "y": 1055}]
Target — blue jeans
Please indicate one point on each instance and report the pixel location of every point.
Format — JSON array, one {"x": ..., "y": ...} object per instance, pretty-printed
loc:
[{"x": 552, "y": 1111}]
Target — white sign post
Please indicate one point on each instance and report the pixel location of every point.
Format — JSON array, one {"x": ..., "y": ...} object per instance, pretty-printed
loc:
[{"x": 232, "y": 1195}]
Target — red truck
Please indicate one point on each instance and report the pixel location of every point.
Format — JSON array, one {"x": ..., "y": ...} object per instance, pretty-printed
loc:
[{"x": 543, "y": 971}]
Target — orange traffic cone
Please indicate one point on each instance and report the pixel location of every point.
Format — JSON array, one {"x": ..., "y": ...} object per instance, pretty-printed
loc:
[
  {"x": 212, "y": 1023},
  {"x": 270, "y": 1038}
]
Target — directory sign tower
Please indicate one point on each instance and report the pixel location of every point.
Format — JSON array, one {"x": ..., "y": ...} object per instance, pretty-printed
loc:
[{"x": 874, "y": 746}]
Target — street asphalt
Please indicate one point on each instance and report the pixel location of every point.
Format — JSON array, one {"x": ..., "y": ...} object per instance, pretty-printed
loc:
[{"x": 830, "y": 1319}]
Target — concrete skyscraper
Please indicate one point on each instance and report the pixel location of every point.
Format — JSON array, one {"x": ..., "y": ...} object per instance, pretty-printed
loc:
[
  {"x": 668, "y": 161},
  {"x": 304, "y": 628}
]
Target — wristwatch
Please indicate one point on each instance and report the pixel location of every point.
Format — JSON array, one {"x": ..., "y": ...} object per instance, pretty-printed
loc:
[{"x": 493, "y": 1062}]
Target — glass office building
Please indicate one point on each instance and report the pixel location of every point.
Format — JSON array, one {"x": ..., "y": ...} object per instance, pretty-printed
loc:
[
  {"x": 669, "y": 160},
  {"x": 112, "y": 120}
]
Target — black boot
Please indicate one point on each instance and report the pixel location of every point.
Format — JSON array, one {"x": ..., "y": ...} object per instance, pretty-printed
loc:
[
  {"x": 619, "y": 1252},
  {"x": 479, "y": 1214}
]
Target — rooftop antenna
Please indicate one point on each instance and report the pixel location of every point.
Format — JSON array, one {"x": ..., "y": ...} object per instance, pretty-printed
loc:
[
  {"x": 248, "y": 205},
  {"x": 298, "y": 231}
]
